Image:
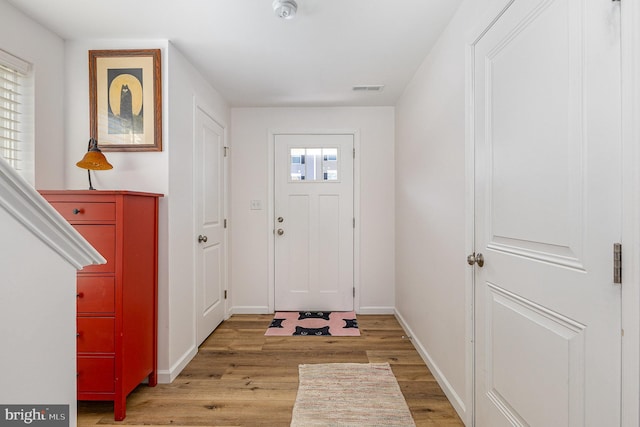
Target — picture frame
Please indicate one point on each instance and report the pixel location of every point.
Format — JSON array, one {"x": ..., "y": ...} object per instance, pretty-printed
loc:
[{"x": 125, "y": 99}]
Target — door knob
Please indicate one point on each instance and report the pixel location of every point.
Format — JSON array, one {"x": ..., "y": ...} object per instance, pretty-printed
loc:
[
  {"x": 280, "y": 231},
  {"x": 475, "y": 258},
  {"x": 202, "y": 238}
]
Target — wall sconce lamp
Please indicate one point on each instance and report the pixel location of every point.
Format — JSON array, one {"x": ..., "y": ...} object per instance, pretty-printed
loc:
[{"x": 94, "y": 160}]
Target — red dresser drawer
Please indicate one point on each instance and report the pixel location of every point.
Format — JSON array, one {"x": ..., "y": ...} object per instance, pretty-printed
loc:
[
  {"x": 96, "y": 334},
  {"x": 86, "y": 211},
  {"x": 96, "y": 374},
  {"x": 96, "y": 294},
  {"x": 103, "y": 238}
]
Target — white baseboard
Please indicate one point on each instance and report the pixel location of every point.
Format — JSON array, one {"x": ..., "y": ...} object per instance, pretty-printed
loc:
[
  {"x": 375, "y": 310},
  {"x": 265, "y": 310},
  {"x": 246, "y": 309},
  {"x": 454, "y": 398},
  {"x": 167, "y": 376}
]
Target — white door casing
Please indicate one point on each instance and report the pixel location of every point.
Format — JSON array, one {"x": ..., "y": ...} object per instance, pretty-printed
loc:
[
  {"x": 546, "y": 134},
  {"x": 313, "y": 222},
  {"x": 210, "y": 234},
  {"x": 630, "y": 22}
]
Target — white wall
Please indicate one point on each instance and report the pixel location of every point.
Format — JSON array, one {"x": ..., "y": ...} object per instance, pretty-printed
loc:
[
  {"x": 141, "y": 171},
  {"x": 167, "y": 172},
  {"x": 250, "y": 229},
  {"x": 37, "y": 305},
  {"x": 138, "y": 171},
  {"x": 185, "y": 86},
  {"x": 37, "y": 321},
  {"x": 26, "y": 39},
  {"x": 432, "y": 297}
]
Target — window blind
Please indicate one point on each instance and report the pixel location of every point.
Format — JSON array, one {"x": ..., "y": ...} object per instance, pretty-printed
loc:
[{"x": 12, "y": 73}]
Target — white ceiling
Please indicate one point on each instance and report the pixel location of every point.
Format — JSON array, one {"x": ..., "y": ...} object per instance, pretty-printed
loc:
[{"x": 254, "y": 58}]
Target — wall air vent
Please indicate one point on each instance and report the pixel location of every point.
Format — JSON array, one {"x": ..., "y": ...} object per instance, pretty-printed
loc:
[{"x": 368, "y": 88}]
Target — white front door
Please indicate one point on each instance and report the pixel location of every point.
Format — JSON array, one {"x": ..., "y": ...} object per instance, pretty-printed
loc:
[
  {"x": 210, "y": 236},
  {"x": 313, "y": 223},
  {"x": 546, "y": 132}
]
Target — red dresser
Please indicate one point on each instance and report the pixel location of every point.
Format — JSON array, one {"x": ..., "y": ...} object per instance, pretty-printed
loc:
[{"x": 116, "y": 302}]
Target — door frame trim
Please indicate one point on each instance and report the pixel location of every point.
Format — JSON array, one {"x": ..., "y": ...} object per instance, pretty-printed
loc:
[
  {"x": 630, "y": 51},
  {"x": 473, "y": 37},
  {"x": 209, "y": 111},
  {"x": 271, "y": 138}
]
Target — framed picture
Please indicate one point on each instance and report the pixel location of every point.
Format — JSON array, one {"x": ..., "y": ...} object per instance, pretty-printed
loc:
[{"x": 125, "y": 99}]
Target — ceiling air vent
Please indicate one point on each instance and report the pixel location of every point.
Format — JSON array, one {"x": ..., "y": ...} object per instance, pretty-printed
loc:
[{"x": 368, "y": 88}]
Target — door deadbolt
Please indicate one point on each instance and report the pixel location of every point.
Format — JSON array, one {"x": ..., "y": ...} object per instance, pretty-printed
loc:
[
  {"x": 475, "y": 258},
  {"x": 280, "y": 219},
  {"x": 280, "y": 232},
  {"x": 202, "y": 239}
]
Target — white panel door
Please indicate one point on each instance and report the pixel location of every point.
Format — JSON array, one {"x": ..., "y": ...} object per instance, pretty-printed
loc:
[
  {"x": 314, "y": 222},
  {"x": 546, "y": 129},
  {"x": 210, "y": 236}
]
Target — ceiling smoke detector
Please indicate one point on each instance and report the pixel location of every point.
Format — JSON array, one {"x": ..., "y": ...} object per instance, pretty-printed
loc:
[{"x": 285, "y": 9}]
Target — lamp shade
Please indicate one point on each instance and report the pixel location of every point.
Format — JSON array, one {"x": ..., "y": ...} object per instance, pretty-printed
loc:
[{"x": 94, "y": 159}]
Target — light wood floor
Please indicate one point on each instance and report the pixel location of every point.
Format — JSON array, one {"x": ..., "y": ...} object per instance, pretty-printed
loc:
[{"x": 242, "y": 378}]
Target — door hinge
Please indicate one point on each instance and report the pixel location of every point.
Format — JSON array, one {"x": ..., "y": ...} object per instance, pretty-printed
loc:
[
  {"x": 354, "y": 291},
  {"x": 226, "y": 151},
  {"x": 354, "y": 222},
  {"x": 225, "y": 294},
  {"x": 354, "y": 153},
  {"x": 225, "y": 223},
  {"x": 617, "y": 263}
]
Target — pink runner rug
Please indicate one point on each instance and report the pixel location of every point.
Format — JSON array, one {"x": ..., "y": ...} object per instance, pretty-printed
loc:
[{"x": 302, "y": 323}]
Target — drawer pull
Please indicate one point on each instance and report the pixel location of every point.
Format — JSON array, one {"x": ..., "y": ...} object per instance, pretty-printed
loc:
[
  {"x": 77, "y": 211},
  {"x": 79, "y": 295},
  {"x": 77, "y": 334}
]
